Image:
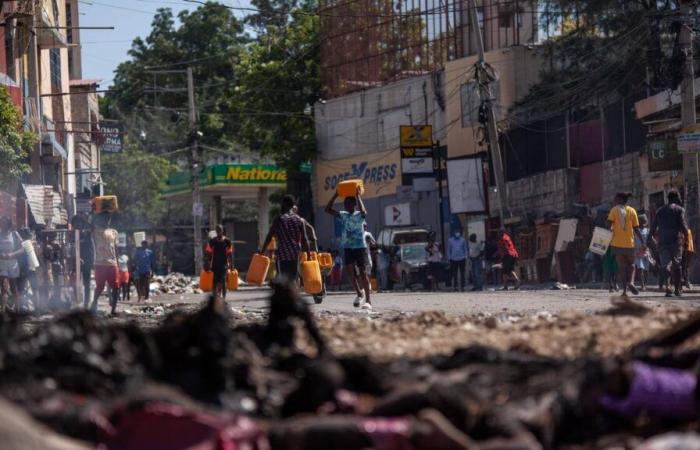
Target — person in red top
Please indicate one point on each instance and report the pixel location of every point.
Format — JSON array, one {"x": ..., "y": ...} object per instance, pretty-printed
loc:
[
  {"x": 509, "y": 257},
  {"x": 220, "y": 252}
]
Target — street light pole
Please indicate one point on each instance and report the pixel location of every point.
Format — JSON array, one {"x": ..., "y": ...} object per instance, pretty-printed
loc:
[{"x": 197, "y": 208}]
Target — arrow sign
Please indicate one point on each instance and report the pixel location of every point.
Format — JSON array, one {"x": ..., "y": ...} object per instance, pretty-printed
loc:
[{"x": 397, "y": 213}]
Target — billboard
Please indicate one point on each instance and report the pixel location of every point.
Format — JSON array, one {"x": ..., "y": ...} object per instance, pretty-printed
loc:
[
  {"x": 465, "y": 183},
  {"x": 112, "y": 137},
  {"x": 380, "y": 172}
]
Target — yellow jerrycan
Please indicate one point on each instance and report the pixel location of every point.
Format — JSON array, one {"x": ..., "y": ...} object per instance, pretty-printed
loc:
[
  {"x": 232, "y": 280},
  {"x": 206, "y": 280},
  {"x": 348, "y": 188},
  {"x": 311, "y": 274},
  {"x": 325, "y": 260},
  {"x": 257, "y": 271}
]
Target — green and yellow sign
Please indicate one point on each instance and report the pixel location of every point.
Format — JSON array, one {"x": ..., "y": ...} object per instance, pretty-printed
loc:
[{"x": 218, "y": 175}]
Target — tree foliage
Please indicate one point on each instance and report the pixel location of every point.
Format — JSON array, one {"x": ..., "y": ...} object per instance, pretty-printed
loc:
[
  {"x": 137, "y": 178},
  {"x": 209, "y": 39},
  {"x": 278, "y": 79},
  {"x": 602, "y": 50},
  {"x": 15, "y": 143}
]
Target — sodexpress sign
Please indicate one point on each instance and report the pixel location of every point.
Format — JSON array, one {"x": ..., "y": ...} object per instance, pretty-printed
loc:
[{"x": 380, "y": 172}]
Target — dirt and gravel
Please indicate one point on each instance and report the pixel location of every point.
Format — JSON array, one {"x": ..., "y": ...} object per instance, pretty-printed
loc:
[{"x": 501, "y": 378}]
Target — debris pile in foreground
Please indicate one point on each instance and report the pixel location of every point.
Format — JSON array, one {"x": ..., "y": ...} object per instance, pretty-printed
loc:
[{"x": 211, "y": 379}]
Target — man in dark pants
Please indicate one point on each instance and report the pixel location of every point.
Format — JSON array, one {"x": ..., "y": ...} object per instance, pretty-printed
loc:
[
  {"x": 357, "y": 263},
  {"x": 457, "y": 255},
  {"x": 288, "y": 229},
  {"x": 144, "y": 259},
  {"x": 220, "y": 251},
  {"x": 671, "y": 229}
]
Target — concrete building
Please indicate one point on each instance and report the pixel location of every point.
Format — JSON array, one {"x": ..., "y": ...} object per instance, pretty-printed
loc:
[
  {"x": 381, "y": 74},
  {"x": 358, "y": 137},
  {"x": 38, "y": 63}
]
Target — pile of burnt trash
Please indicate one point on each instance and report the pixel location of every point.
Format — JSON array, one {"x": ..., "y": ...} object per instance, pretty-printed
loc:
[{"x": 201, "y": 381}]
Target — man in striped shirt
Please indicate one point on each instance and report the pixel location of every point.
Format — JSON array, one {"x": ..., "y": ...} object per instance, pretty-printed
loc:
[{"x": 288, "y": 229}]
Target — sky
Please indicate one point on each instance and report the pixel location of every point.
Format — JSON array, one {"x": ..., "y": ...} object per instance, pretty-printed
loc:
[{"x": 103, "y": 50}]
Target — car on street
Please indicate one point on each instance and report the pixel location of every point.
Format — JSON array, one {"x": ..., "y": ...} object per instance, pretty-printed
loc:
[
  {"x": 413, "y": 263},
  {"x": 393, "y": 236}
]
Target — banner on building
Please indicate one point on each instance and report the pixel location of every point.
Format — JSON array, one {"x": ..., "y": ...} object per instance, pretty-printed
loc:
[
  {"x": 465, "y": 182},
  {"x": 663, "y": 155},
  {"x": 380, "y": 172},
  {"x": 111, "y": 137}
]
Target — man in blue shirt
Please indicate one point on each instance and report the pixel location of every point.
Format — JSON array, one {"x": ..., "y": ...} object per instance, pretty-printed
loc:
[
  {"x": 357, "y": 262},
  {"x": 145, "y": 262},
  {"x": 457, "y": 255}
]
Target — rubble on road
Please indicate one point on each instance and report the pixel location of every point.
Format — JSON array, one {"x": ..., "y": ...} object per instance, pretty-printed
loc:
[
  {"x": 174, "y": 283},
  {"x": 227, "y": 377}
]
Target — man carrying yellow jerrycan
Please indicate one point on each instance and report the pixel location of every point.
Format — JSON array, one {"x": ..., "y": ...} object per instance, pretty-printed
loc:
[
  {"x": 221, "y": 271},
  {"x": 291, "y": 234},
  {"x": 357, "y": 258}
]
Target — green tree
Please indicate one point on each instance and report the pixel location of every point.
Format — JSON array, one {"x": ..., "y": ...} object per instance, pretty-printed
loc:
[
  {"x": 208, "y": 39},
  {"x": 278, "y": 79},
  {"x": 137, "y": 178},
  {"x": 15, "y": 143},
  {"x": 602, "y": 50}
]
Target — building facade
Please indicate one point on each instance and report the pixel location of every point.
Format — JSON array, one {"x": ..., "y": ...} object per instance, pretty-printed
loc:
[{"x": 40, "y": 65}]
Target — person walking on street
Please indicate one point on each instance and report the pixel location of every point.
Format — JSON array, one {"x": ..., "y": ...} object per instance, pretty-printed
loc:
[
  {"x": 624, "y": 224},
  {"x": 288, "y": 229},
  {"x": 509, "y": 258},
  {"x": 457, "y": 255},
  {"x": 220, "y": 253},
  {"x": 124, "y": 281},
  {"x": 434, "y": 260},
  {"x": 87, "y": 254},
  {"x": 671, "y": 230},
  {"x": 476, "y": 253},
  {"x": 353, "y": 241},
  {"x": 145, "y": 263},
  {"x": 10, "y": 251},
  {"x": 641, "y": 260},
  {"x": 106, "y": 267}
]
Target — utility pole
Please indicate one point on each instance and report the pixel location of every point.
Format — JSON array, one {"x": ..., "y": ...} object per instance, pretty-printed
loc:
[
  {"x": 437, "y": 154},
  {"x": 197, "y": 209},
  {"x": 484, "y": 78},
  {"x": 688, "y": 119}
]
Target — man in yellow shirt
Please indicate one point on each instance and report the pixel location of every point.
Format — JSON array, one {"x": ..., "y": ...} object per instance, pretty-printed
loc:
[{"x": 624, "y": 224}]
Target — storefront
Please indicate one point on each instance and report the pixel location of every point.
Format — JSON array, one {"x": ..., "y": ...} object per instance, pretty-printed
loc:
[{"x": 387, "y": 202}]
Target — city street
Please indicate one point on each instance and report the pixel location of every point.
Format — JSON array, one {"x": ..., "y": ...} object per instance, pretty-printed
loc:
[{"x": 459, "y": 303}]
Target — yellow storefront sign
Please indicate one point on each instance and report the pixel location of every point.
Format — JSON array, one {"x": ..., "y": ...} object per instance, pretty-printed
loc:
[
  {"x": 416, "y": 135},
  {"x": 380, "y": 172}
]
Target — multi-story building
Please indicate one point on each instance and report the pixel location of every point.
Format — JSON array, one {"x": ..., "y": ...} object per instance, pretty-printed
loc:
[
  {"x": 388, "y": 64},
  {"x": 40, "y": 64}
]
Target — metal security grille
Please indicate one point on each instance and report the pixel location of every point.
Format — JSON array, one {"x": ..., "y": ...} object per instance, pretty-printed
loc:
[{"x": 366, "y": 43}]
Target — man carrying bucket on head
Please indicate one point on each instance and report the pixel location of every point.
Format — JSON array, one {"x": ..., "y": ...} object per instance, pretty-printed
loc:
[{"x": 355, "y": 245}]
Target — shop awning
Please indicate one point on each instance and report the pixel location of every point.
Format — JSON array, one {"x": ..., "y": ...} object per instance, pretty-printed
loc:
[
  {"x": 231, "y": 181},
  {"x": 45, "y": 205}
]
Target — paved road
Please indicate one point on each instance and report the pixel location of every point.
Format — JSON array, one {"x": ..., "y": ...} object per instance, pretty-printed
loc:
[{"x": 526, "y": 301}]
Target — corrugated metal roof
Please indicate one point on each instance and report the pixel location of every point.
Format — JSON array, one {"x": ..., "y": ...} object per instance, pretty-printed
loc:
[{"x": 45, "y": 205}]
